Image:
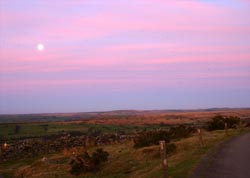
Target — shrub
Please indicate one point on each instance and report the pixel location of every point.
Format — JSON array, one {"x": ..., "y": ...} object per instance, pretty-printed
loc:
[
  {"x": 153, "y": 137},
  {"x": 247, "y": 125},
  {"x": 99, "y": 156},
  {"x": 86, "y": 163},
  {"x": 180, "y": 131},
  {"x": 150, "y": 138},
  {"x": 77, "y": 165},
  {"x": 218, "y": 122},
  {"x": 232, "y": 121}
]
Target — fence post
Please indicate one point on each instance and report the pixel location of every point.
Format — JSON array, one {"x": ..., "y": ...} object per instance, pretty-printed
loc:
[
  {"x": 200, "y": 138},
  {"x": 164, "y": 158},
  {"x": 226, "y": 129}
]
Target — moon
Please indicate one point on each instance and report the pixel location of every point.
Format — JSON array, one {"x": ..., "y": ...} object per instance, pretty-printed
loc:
[{"x": 40, "y": 47}]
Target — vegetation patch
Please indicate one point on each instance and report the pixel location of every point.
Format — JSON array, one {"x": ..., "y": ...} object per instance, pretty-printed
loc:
[
  {"x": 86, "y": 163},
  {"x": 218, "y": 122},
  {"x": 150, "y": 138}
]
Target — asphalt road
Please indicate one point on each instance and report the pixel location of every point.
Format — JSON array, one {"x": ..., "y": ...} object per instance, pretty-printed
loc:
[{"x": 230, "y": 160}]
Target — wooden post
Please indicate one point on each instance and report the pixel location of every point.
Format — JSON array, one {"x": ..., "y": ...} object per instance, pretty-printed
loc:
[
  {"x": 226, "y": 129},
  {"x": 200, "y": 138},
  {"x": 164, "y": 158}
]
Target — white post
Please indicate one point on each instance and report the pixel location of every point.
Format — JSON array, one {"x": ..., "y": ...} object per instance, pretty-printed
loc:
[
  {"x": 200, "y": 138},
  {"x": 164, "y": 158},
  {"x": 226, "y": 129}
]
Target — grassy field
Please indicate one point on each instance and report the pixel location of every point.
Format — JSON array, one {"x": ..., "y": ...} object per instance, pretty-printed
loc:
[
  {"x": 124, "y": 161},
  {"x": 12, "y": 131},
  {"x": 36, "y": 125}
]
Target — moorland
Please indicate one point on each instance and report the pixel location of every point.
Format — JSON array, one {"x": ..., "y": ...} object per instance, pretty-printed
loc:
[{"x": 113, "y": 144}]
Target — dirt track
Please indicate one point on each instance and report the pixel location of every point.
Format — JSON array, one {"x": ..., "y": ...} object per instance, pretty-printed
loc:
[{"x": 231, "y": 160}]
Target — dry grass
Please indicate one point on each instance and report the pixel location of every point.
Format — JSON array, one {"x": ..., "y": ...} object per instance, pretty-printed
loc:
[
  {"x": 127, "y": 162},
  {"x": 168, "y": 117}
]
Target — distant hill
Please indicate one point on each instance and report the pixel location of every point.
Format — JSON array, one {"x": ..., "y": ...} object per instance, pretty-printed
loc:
[{"x": 97, "y": 115}]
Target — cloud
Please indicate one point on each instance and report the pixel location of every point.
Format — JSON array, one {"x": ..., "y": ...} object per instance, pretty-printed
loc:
[{"x": 123, "y": 46}]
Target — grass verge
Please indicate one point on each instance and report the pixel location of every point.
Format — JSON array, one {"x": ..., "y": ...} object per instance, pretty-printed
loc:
[{"x": 125, "y": 161}]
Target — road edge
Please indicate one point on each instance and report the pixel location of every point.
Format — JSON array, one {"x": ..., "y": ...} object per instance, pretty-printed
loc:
[{"x": 206, "y": 160}]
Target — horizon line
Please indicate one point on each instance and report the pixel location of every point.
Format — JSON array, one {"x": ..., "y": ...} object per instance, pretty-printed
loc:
[{"x": 132, "y": 110}]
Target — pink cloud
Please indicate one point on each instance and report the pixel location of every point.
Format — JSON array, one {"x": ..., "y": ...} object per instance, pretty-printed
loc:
[
  {"x": 112, "y": 57},
  {"x": 192, "y": 16},
  {"x": 187, "y": 17},
  {"x": 220, "y": 59},
  {"x": 222, "y": 80}
]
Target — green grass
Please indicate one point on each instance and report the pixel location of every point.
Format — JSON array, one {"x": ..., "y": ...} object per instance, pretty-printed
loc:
[{"x": 9, "y": 133}]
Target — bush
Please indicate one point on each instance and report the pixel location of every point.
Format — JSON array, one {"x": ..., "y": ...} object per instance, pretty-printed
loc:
[
  {"x": 76, "y": 166},
  {"x": 150, "y": 138},
  {"x": 232, "y": 121},
  {"x": 218, "y": 122},
  {"x": 153, "y": 137},
  {"x": 86, "y": 163},
  {"x": 247, "y": 125},
  {"x": 99, "y": 156},
  {"x": 180, "y": 131}
]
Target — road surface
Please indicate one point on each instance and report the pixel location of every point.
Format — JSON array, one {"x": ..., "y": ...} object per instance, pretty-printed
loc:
[{"x": 231, "y": 160}]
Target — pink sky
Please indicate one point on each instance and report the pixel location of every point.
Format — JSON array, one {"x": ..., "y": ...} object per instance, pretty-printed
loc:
[{"x": 144, "y": 52}]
